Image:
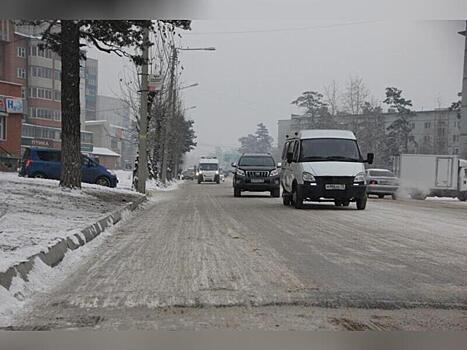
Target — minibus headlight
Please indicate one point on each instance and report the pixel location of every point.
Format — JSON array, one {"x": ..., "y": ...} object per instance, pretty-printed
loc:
[
  {"x": 308, "y": 177},
  {"x": 360, "y": 178}
]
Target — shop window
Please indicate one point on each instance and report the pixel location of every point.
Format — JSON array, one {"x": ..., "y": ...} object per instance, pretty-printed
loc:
[{"x": 2, "y": 127}]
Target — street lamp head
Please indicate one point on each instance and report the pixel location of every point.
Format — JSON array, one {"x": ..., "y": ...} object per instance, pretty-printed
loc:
[{"x": 197, "y": 48}]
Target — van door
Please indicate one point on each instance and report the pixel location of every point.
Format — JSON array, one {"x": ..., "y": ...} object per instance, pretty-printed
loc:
[
  {"x": 443, "y": 172},
  {"x": 463, "y": 179},
  {"x": 289, "y": 173}
]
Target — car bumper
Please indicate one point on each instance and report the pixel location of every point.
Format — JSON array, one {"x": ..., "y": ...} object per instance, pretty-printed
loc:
[
  {"x": 319, "y": 192},
  {"x": 381, "y": 189},
  {"x": 208, "y": 178},
  {"x": 244, "y": 183}
]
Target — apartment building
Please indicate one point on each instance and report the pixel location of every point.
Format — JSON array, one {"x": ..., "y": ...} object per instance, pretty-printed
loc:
[
  {"x": 434, "y": 131},
  {"x": 23, "y": 60}
]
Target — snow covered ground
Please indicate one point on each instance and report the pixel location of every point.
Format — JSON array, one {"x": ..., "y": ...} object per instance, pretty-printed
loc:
[
  {"x": 35, "y": 213},
  {"x": 125, "y": 178}
]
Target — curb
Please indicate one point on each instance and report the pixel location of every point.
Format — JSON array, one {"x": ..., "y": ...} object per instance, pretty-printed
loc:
[{"x": 56, "y": 252}]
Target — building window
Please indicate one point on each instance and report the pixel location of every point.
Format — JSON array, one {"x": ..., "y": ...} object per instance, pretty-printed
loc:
[
  {"x": 57, "y": 95},
  {"x": 456, "y": 150},
  {"x": 2, "y": 127},
  {"x": 455, "y": 138},
  {"x": 21, "y": 52},
  {"x": 21, "y": 73},
  {"x": 58, "y": 75},
  {"x": 23, "y": 92},
  {"x": 427, "y": 125},
  {"x": 45, "y": 94},
  {"x": 426, "y": 138}
]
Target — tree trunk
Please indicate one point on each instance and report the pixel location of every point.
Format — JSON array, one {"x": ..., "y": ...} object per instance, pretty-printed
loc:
[{"x": 71, "y": 126}]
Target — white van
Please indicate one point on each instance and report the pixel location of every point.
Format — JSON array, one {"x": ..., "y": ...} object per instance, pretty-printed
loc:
[
  {"x": 208, "y": 170},
  {"x": 323, "y": 165}
]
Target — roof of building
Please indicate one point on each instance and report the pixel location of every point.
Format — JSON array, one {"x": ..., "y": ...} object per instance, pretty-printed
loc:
[
  {"x": 317, "y": 134},
  {"x": 102, "y": 151},
  {"x": 95, "y": 122}
]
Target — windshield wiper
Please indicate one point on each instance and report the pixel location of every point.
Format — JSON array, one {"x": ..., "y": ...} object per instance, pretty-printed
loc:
[{"x": 349, "y": 159}]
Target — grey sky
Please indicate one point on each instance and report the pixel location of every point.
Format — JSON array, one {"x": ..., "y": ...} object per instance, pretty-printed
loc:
[{"x": 259, "y": 67}]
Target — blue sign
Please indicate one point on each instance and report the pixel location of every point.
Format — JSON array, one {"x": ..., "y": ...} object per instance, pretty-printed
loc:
[{"x": 14, "y": 105}]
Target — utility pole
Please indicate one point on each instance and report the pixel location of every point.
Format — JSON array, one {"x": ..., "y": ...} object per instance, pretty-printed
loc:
[
  {"x": 143, "y": 119},
  {"x": 170, "y": 116}
]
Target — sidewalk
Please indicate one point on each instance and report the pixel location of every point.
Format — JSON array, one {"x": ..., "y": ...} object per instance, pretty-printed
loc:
[{"x": 35, "y": 214}]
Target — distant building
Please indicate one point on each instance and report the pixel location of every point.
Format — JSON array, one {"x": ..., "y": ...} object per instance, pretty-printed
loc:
[
  {"x": 436, "y": 131},
  {"x": 113, "y": 128},
  {"x": 106, "y": 157}
]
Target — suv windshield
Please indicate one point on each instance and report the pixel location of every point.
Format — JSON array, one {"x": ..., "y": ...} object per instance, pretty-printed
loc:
[
  {"x": 329, "y": 149},
  {"x": 256, "y": 161},
  {"x": 385, "y": 173},
  {"x": 208, "y": 166}
]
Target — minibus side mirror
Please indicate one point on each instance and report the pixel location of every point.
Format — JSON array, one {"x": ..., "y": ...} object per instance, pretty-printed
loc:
[
  {"x": 279, "y": 165},
  {"x": 369, "y": 158}
]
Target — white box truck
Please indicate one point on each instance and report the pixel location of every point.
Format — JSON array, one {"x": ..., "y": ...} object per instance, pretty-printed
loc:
[{"x": 423, "y": 175}]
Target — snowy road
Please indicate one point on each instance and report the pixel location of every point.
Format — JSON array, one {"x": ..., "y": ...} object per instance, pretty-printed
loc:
[{"x": 200, "y": 258}]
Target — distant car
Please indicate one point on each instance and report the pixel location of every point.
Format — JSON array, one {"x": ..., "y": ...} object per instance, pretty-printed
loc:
[
  {"x": 46, "y": 163},
  {"x": 382, "y": 182},
  {"x": 188, "y": 175}
]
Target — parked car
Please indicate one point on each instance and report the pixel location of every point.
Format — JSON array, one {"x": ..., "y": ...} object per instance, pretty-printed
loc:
[
  {"x": 256, "y": 172},
  {"x": 382, "y": 182},
  {"x": 46, "y": 163},
  {"x": 324, "y": 165}
]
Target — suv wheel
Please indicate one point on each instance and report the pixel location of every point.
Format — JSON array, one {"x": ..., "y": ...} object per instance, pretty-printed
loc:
[
  {"x": 276, "y": 193},
  {"x": 103, "y": 181},
  {"x": 237, "y": 192},
  {"x": 361, "y": 202}
]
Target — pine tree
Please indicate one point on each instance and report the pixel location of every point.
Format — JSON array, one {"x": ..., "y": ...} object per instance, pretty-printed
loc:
[
  {"x": 399, "y": 135},
  {"x": 67, "y": 38}
]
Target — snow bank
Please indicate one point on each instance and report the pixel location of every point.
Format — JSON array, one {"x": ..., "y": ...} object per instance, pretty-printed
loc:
[
  {"x": 36, "y": 213},
  {"x": 43, "y": 278},
  {"x": 125, "y": 178}
]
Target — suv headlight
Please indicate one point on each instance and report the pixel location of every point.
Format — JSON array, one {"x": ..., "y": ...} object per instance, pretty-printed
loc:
[
  {"x": 217, "y": 172},
  {"x": 308, "y": 177},
  {"x": 274, "y": 172},
  {"x": 240, "y": 172},
  {"x": 360, "y": 178}
]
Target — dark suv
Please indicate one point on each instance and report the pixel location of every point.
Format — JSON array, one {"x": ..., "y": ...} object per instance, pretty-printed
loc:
[{"x": 256, "y": 172}]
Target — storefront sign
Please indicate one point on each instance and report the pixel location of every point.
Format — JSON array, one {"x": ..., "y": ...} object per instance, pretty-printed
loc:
[
  {"x": 86, "y": 148},
  {"x": 2, "y": 104},
  {"x": 14, "y": 105}
]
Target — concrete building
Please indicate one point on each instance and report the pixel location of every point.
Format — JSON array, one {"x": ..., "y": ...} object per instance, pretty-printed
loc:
[
  {"x": 463, "y": 121},
  {"x": 435, "y": 131},
  {"x": 38, "y": 71},
  {"x": 113, "y": 129}
]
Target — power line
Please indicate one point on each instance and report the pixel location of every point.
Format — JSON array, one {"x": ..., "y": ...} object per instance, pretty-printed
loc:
[{"x": 291, "y": 29}]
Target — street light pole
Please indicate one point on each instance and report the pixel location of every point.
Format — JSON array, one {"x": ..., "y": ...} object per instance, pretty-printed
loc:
[{"x": 143, "y": 119}]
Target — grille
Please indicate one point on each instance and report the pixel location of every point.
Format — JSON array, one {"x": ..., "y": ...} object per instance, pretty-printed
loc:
[
  {"x": 253, "y": 173},
  {"x": 322, "y": 180}
]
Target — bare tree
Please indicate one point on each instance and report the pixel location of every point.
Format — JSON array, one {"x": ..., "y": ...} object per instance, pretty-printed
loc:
[
  {"x": 355, "y": 95},
  {"x": 331, "y": 97}
]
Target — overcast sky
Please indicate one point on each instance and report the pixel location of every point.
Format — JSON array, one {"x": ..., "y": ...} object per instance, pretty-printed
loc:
[{"x": 259, "y": 67}]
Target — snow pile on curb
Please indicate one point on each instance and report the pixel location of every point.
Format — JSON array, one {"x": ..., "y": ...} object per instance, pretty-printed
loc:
[
  {"x": 42, "y": 277},
  {"x": 36, "y": 213}
]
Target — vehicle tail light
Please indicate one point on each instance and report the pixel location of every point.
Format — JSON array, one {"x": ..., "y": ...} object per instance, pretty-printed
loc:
[
  {"x": 27, "y": 163},
  {"x": 373, "y": 182}
]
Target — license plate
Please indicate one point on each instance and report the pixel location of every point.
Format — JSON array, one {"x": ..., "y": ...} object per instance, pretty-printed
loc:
[
  {"x": 257, "y": 181},
  {"x": 335, "y": 187}
]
